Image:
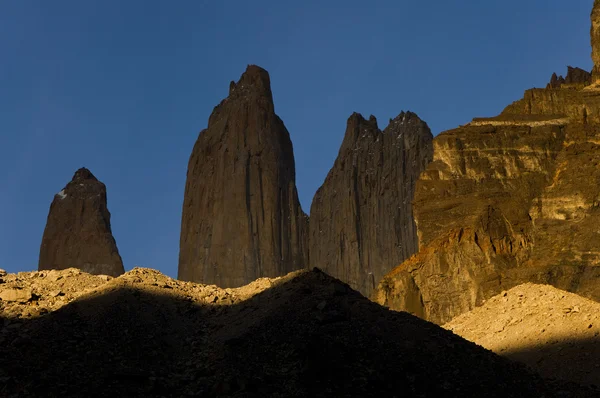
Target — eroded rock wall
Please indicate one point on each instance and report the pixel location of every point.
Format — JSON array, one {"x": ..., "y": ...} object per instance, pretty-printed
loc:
[
  {"x": 361, "y": 217},
  {"x": 507, "y": 200}
]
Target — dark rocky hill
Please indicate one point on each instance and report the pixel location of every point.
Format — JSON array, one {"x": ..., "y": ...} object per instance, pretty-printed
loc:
[{"x": 303, "y": 335}]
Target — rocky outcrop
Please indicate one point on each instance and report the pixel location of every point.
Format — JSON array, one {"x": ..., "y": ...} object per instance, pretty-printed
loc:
[
  {"x": 241, "y": 216},
  {"x": 556, "y": 81},
  {"x": 576, "y": 77},
  {"x": 582, "y": 106},
  {"x": 78, "y": 232},
  {"x": 361, "y": 218},
  {"x": 507, "y": 200}
]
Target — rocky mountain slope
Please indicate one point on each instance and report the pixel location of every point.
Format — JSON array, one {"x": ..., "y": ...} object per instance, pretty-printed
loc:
[
  {"x": 241, "y": 216},
  {"x": 507, "y": 200},
  {"x": 78, "y": 232},
  {"x": 361, "y": 221},
  {"x": 539, "y": 325},
  {"x": 305, "y": 334}
]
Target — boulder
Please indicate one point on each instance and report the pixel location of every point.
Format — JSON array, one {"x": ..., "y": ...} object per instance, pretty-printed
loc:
[{"x": 16, "y": 295}]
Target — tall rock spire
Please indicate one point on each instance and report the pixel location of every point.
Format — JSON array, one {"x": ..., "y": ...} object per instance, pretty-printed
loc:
[
  {"x": 361, "y": 220},
  {"x": 595, "y": 39},
  {"x": 78, "y": 232},
  {"x": 241, "y": 215}
]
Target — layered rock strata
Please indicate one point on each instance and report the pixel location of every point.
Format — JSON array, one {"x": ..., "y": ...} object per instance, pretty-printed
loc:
[
  {"x": 361, "y": 218},
  {"x": 241, "y": 216},
  {"x": 78, "y": 232},
  {"x": 500, "y": 206},
  {"x": 507, "y": 200}
]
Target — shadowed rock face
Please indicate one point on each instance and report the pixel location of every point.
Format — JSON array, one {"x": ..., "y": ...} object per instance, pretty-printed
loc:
[
  {"x": 507, "y": 200},
  {"x": 361, "y": 217},
  {"x": 575, "y": 77},
  {"x": 241, "y": 216},
  {"x": 78, "y": 232}
]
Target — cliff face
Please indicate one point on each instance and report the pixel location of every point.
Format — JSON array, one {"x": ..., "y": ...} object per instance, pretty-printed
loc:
[
  {"x": 507, "y": 200},
  {"x": 361, "y": 218},
  {"x": 502, "y": 204},
  {"x": 78, "y": 232},
  {"x": 241, "y": 216},
  {"x": 578, "y": 105},
  {"x": 595, "y": 40}
]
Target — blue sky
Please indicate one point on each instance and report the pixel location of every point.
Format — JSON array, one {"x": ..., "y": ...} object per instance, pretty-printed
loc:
[{"x": 124, "y": 87}]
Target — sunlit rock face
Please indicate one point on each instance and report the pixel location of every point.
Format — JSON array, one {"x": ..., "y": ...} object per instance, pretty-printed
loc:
[
  {"x": 241, "y": 218},
  {"x": 582, "y": 106},
  {"x": 361, "y": 221},
  {"x": 499, "y": 206},
  {"x": 507, "y": 200},
  {"x": 78, "y": 232}
]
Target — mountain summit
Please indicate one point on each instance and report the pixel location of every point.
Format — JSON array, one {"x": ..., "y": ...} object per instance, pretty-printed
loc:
[
  {"x": 241, "y": 218},
  {"x": 361, "y": 221},
  {"x": 78, "y": 232}
]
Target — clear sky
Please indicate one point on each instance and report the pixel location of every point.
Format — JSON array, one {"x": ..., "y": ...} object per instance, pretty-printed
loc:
[{"x": 124, "y": 88}]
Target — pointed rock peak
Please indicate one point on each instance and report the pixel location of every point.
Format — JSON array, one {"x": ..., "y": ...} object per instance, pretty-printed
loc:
[
  {"x": 575, "y": 76},
  {"x": 78, "y": 232},
  {"x": 254, "y": 80},
  {"x": 358, "y": 127},
  {"x": 83, "y": 174},
  {"x": 83, "y": 185},
  {"x": 556, "y": 81},
  {"x": 245, "y": 149},
  {"x": 404, "y": 119},
  {"x": 357, "y": 119}
]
